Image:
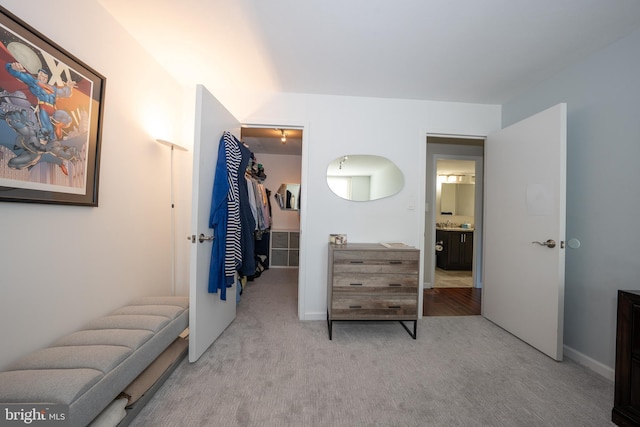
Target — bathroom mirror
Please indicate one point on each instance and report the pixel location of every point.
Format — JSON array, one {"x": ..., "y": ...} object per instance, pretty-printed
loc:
[
  {"x": 288, "y": 197},
  {"x": 457, "y": 199},
  {"x": 362, "y": 177}
]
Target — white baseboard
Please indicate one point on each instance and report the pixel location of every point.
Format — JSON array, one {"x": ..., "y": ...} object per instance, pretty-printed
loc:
[
  {"x": 594, "y": 365},
  {"x": 315, "y": 316}
]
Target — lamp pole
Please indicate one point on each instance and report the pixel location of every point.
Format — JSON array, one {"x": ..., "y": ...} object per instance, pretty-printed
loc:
[{"x": 173, "y": 232}]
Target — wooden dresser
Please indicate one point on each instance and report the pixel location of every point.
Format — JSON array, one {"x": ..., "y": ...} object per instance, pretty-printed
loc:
[
  {"x": 626, "y": 401},
  {"x": 369, "y": 281}
]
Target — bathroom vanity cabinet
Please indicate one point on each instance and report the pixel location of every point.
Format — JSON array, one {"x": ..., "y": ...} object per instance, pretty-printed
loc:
[{"x": 457, "y": 249}]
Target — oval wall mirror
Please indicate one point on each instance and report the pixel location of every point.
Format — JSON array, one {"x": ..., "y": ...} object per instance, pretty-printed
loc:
[{"x": 362, "y": 177}]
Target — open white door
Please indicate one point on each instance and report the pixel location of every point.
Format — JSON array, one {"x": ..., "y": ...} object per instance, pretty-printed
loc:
[
  {"x": 208, "y": 314},
  {"x": 525, "y": 190}
]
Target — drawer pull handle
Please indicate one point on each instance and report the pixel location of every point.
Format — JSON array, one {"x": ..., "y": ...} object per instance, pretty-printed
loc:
[
  {"x": 356, "y": 262},
  {"x": 355, "y": 306},
  {"x": 355, "y": 284},
  {"x": 395, "y": 306},
  {"x": 395, "y": 262},
  {"x": 395, "y": 284}
]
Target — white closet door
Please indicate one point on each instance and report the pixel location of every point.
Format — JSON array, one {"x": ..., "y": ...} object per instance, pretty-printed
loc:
[{"x": 208, "y": 314}]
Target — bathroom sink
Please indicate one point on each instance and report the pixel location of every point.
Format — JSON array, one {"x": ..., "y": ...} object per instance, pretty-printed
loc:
[{"x": 454, "y": 229}]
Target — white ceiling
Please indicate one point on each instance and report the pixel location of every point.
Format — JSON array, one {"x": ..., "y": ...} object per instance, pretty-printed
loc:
[
  {"x": 476, "y": 51},
  {"x": 269, "y": 141}
]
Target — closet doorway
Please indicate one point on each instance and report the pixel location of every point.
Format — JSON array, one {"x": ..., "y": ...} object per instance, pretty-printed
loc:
[{"x": 278, "y": 153}]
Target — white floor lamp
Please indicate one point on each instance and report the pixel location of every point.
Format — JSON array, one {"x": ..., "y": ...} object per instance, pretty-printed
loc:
[{"x": 173, "y": 231}]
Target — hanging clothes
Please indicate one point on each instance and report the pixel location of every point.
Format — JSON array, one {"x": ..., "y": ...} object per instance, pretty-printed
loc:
[
  {"x": 252, "y": 199},
  {"x": 218, "y": 221},
  {"x": 233, "y": 254},
  {"x": 247, "y": 221},
  {"x": 231, "y": 217},
  {"x": 259, "y": 201},
  {"x": 265, "y": 212},
  {"x": 226, "y": 254}
]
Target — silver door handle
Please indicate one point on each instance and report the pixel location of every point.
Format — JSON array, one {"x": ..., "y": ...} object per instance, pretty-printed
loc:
[
  {"x": 201, "y": 238},
  {"x": 549, "y": 243}
]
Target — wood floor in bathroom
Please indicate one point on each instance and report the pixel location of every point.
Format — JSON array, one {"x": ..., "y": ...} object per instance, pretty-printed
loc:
[{"x": 452, "y": 295}]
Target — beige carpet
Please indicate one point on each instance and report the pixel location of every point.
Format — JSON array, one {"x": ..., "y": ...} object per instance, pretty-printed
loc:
[{"x": 270, "y": 369}]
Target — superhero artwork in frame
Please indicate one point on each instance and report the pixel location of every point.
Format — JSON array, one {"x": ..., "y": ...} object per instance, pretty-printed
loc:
[{"x": 51, "y": 107}]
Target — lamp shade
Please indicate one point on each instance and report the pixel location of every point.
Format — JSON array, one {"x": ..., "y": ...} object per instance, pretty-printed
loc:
[{"x": 172, "y": 144}]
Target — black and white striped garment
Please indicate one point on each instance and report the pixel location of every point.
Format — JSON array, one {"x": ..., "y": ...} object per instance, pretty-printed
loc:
[{"x": 233, "y": 250}]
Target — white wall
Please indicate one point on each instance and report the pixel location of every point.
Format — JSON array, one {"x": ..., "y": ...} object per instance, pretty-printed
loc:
[
  {"x": 71, "y": 264},
  {"x": 395, "y": 129},
  {"x": 602, "y": 96},
  {"x": 281, "y": 169},
  {"x": 64, "y": 265}
]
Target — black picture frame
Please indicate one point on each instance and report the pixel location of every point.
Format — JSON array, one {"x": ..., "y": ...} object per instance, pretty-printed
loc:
[{"x": 51, "y": 108}]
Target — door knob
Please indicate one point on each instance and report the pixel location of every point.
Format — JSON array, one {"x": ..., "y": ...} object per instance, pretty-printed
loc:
[
  {"x": 549, "y": 243},
  {"x": 201, "y": 238}
]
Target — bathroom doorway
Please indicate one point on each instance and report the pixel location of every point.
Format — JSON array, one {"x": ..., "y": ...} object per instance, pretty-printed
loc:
[
  {"x": 455, "y": 222},
  {"x": 453, "y": 229}
]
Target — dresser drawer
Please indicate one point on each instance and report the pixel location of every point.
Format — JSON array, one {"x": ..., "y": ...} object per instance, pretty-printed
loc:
[
  {"x": 358, "y": 307},
  {"x": 390, "y": 267},
  {"x": 366, "y": 280},
  {"x": 374, "y": 256},
  {"x": 375, "y": 262}
]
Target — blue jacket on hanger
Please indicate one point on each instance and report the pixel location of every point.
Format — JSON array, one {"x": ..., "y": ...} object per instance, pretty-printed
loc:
[{"x": 218, "y": 221}]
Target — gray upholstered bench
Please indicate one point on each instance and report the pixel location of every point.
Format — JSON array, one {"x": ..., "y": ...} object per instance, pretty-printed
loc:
[{"x": 89, "y": 368}]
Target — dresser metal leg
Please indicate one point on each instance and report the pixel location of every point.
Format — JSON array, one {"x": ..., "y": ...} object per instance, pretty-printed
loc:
[
  {"x": 329, "y": 324},
  {"x": 415, "y": 328}
]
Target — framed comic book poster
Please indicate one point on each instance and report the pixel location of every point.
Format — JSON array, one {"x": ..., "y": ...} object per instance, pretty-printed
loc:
[{"x": 51, "y": 107}]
